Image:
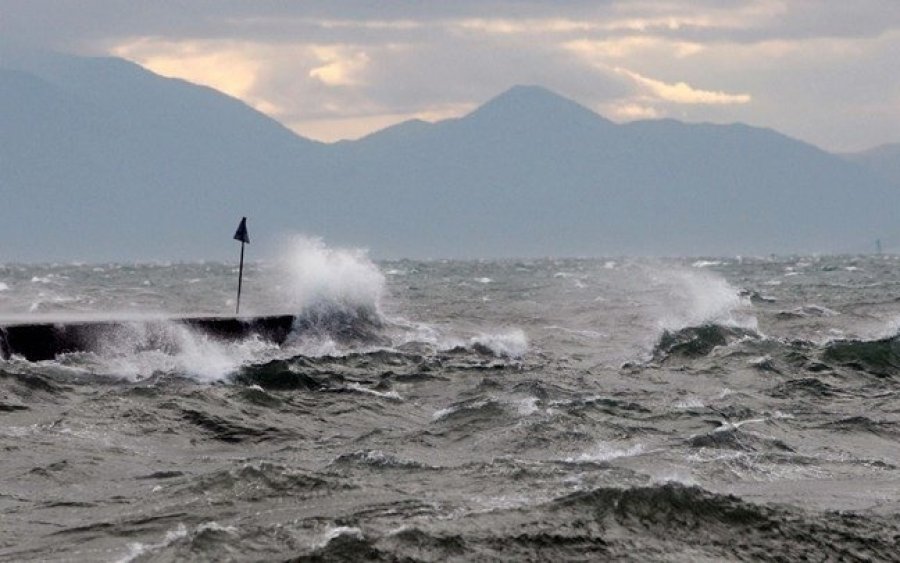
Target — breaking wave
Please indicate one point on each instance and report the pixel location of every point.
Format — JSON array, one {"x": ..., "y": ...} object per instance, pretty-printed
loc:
[
  {"x": 608, "y": 523},
  {"x": 315, "y": 281},
  {"x": 880, "y": 357},
  {"x": 696, "y": 298},
  {"x": 697, "y": 341},
  {"x": 334, "y": 296}
]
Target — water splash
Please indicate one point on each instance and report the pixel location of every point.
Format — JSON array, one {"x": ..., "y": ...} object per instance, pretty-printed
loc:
[
  {"x": 695, "y": 298},
  {"x": 314, "y": 276}
]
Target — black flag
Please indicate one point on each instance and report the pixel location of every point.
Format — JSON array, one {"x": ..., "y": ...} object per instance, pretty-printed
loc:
[{"x": 241, "y": 233}]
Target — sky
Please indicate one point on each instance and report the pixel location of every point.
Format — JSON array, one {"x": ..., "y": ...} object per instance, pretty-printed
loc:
[{"x": 824, "y": 71}]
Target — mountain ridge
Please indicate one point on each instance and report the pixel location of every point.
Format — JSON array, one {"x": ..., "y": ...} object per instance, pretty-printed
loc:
[
  {"x": 883, "y": 160},
  {"x": 165, "y": 166}
]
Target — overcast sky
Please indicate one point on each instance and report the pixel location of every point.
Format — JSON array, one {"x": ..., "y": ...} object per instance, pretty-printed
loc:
[{"x": 825, "y": 71}]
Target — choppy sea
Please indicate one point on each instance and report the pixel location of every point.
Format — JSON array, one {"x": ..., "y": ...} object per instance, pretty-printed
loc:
[{"x": 637, "y": 409}]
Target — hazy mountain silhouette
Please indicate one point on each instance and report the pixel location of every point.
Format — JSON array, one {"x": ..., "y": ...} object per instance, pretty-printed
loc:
[
  {"x": 101, "y": 159},
  {"x": 883, "y": 161},
  {"x": 531, "y": 173}
]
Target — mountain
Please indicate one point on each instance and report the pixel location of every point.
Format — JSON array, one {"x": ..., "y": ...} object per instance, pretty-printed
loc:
[
  {"x": 101, "y": 159},
  {"x": 883, "y": 161},
  {"x": 531, "y": 173}
]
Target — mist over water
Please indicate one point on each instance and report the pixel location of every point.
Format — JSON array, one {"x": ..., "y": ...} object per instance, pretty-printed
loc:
[{"x": 649, "y": 409}]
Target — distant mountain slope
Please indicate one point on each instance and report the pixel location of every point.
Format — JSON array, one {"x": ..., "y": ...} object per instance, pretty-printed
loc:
[
  {"x": 883, "y": 161},
  {"x": 531, "y": 173},
  {"x": 100, "y": 159}
]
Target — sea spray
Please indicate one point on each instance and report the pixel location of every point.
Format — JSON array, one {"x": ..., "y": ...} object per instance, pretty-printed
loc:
[
  {"x": 137, "y": 350},
  {"x": 314, "y": 277},
  {"x": 335, "y": 295},
  {"x": 698, "y": 297},
  {"x": 509, "y": 344}
]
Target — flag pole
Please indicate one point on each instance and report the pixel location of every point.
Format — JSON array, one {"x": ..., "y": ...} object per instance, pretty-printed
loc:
[
  {"x": 237, "y": 310},
  {"x": 242, "y": 235}
]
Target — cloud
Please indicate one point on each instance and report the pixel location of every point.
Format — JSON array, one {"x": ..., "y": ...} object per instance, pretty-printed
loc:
[
  {"x": 342, "y": 66},
  {"x": 329, "y": 69},
  {"x": 356, "y": 126},
  {"x": 630, "y": 111},
  {"x": 631, "y": 46},
  {"x": 228, "y": 67},
  {"x": 682, "y": 92}
]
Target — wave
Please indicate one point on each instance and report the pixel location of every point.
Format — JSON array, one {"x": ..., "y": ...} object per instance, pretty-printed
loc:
[
  {"x": 378, "y": 459},
  {"x": 470, "y": 411},
  {"x": 878, "y": 357},
  {"x": 731, "y": 437},
  {"x": 888, "y": 429},
  {"x": 698, "y": 341},
  {"x": 311, "y": 277},
  {"x": 649, "y": 522},
  {"x": 334, "y": 303},
  {"x": 225, "y": 430},
  {"x": 512, "y": 344},
  {"x": 696, "y": 298},
  {"x": 807, "y": 311},
  {"x": 605, "y": 451},
  {"x": 805, "y": 386},
  {"x": 658, "y": 520},
  {"x": 258, "y": 480},
  {"x": 638, "y": 523},
  {"x": 137, "y": 350},
  {"x": 369, "y": 371}
]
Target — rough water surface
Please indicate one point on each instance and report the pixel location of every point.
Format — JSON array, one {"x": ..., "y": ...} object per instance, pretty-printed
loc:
[{"x": 671, "y": 410}]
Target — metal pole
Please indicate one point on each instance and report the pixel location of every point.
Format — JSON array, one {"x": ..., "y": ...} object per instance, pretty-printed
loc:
[{"x": 237, "y": 310}]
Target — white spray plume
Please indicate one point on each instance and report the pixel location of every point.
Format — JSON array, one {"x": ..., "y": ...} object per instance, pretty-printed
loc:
[
  {"x": 137, "y": 350},
  {"x": 317, "y": 276},
  {"x": 511, "y": 344},
  {"x": 699, "y": 297}
]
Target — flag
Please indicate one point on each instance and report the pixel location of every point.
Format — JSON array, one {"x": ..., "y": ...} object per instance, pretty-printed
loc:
[{"x": 241, "y": 234}]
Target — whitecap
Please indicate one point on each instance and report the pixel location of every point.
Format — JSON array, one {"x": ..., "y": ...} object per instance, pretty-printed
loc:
[
  {"x": 336, "y": 532},
  {"x": 443, "y": 413},
  {"x": 605, "y": 451},
  {"x": 134, "y": 352},
  {"x": 213, "y": 526},
  {"x": 512, "y": 344},
  {"x": 689, "y": 403},
  {"x": 383, "y": 394},
  {"x": 137, "y": 549},
  {"x": 592, "y": 334},
  {"x": 527, "y": 406}
]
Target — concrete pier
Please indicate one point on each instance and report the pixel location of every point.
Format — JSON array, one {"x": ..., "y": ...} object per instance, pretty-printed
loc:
[{"x": 46, "y": 340}]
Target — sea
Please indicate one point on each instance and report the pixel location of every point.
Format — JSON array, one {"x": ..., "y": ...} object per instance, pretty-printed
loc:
[{"x": 677, "y": 409}]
